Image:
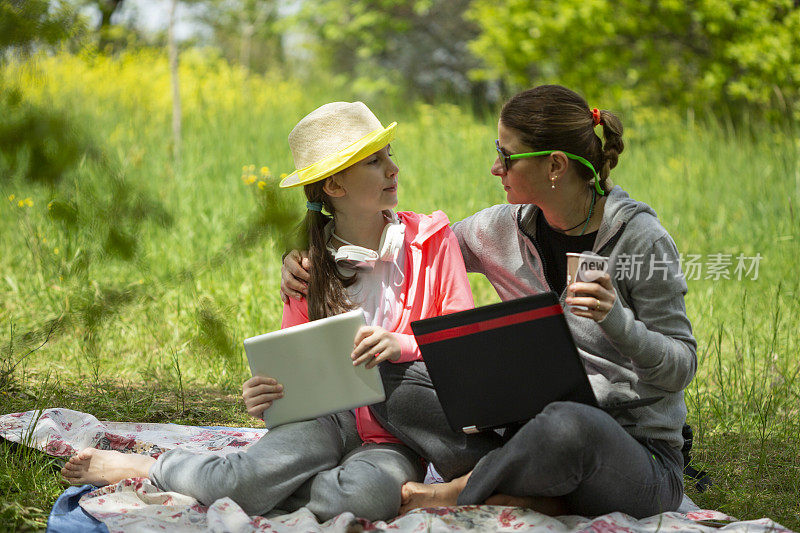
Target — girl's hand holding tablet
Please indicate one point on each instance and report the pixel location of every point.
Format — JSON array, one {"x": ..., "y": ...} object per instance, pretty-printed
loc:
[
  {"x": 258, "y": 394},
  {"x": 373, "y": 345}
]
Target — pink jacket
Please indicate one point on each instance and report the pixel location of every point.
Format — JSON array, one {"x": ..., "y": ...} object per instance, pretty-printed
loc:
[{"x": 435, "y": 284}]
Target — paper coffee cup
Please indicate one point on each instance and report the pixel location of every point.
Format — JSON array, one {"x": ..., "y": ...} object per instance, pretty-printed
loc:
[{"x": 581, "y": 267}]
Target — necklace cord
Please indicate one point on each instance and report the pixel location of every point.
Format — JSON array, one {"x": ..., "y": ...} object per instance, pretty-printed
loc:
[{"x": 591, "y": 208}]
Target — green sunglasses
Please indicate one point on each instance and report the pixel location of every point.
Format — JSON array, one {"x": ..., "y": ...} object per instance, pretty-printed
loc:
[{"x": 506, "y": 159}]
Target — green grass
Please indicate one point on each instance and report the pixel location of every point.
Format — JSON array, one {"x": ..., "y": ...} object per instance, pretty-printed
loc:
[{"x": 156, "y": 337}]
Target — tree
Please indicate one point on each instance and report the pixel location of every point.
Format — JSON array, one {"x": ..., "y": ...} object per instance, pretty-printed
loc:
[
  {"x": 172, "y": 48},
  {"x": 248, "y": 32},
  {"x": 108, "y": 33},
  {"x": 703, "y": 54},
  {"x": 419, "y": 46},
  {"x": 26, "y": 23}
]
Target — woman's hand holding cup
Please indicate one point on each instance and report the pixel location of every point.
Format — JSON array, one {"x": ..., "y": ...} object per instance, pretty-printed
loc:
[{"x": 595, "y": 298}]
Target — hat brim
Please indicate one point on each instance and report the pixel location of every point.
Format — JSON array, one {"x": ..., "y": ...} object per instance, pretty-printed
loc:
[{"x": 368, "y": 144}]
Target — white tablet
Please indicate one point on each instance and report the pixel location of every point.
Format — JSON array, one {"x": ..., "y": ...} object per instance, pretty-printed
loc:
[{"x": 312, "y": 362}]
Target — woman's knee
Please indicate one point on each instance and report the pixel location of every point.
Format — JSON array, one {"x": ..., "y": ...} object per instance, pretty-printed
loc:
[{"x": 565, "y": 427}]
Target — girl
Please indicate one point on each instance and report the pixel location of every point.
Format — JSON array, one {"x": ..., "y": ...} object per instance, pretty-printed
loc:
[
  {"x": 398, "y": 267},
  {"x": 632, "y": 330}
]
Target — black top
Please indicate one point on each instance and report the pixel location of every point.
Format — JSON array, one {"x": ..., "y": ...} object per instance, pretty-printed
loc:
[{"x": 554, "y": 246}]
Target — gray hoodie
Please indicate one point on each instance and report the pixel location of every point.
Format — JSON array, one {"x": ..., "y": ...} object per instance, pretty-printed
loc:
[{"x": 644, "y": 346}]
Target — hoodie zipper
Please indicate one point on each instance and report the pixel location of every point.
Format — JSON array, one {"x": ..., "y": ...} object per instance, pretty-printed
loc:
[
  {"x": 535, "y": 245},
  {"x": 610, "y": 242}
]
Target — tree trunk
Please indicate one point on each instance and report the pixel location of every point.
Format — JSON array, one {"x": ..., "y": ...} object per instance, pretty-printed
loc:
[
  {"x": 176, "y": 95},
  {"x": 107, "y": 9}
]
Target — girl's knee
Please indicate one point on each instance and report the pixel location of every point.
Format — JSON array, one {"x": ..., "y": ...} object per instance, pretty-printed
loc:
[
  {"x": 367, "y": 491},
  {"x": 373, "y": 494}
]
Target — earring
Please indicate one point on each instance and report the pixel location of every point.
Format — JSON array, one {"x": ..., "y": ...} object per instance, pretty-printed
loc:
[{"x": 553, "y": 182}]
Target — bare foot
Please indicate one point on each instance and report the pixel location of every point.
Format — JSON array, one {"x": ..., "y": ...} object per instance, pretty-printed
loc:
[
  {"x": 417, "y": 495},
  {"x": 548, "y": 506},
  {"x": 103, "y": 467}
]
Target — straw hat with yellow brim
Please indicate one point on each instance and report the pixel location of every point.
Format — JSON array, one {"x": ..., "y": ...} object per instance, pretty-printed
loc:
[{"x": 332, "y": 138}]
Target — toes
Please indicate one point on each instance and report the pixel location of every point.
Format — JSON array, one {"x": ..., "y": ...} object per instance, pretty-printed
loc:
[{"x": 85, "y": 454}]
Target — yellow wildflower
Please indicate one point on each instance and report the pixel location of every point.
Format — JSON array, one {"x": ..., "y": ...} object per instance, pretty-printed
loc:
[
  {"x": 11, "y": 197},
  {"x": 55, "y": 251},
  {"x": 249, "y": 180},
  {"x": 244, "y": 168},
  {"x": 251, "y": 168},
  {"x": 265, "y": 171},
  {"x": 28, "y": 202},
  {"x": 262, "y": 184},
  {"x": 283, "y": 175},
  {"x": 21, "y": 203}
]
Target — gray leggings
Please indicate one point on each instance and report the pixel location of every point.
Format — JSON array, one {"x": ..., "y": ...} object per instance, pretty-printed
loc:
[
  {"x": 320, "y": 464},
  {"x": 412, "y": 413},
  {"x": 569, "y": 449},
  {"x": 581, "y": 453}
]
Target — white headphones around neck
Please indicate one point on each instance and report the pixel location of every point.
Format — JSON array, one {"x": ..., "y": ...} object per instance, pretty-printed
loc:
[{"x": 356, "y": 257}]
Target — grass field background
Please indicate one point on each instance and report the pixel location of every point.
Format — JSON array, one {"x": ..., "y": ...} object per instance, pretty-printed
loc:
[{"x": 156, "y": 335}]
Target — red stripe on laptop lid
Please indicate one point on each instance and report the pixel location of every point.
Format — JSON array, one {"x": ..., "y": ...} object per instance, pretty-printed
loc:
[{"x": 487, "y": 325}]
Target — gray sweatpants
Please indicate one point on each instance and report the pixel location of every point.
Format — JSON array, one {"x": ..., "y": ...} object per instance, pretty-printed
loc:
[
  {"x": 320, "y": 464},
  {"x": 583, "y": 454},
  {"x": 413, "y": 414},
  {"x": 569, "y": 449}
]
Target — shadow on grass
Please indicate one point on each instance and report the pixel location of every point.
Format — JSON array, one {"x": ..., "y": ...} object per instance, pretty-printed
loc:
[
  {"x": 144, "y": 401},
  {"x": 746, "y": 484},
  {"x": 30, "y": 481}
]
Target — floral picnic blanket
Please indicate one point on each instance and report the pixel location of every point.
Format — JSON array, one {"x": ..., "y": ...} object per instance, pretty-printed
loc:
[{"x": 137, "y": 505}]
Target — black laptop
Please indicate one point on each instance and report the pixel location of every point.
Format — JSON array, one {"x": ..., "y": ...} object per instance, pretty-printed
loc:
[{"x": 502, "y": 364}]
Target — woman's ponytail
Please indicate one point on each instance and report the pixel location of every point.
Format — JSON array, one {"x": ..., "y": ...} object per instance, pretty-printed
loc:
[{"x": 613, "y": 145}]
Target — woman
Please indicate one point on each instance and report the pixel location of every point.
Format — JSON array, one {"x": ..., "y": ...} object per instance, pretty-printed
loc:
[
  {"x": 398, "y": 267},
  {"x": 631, "y": 329}
]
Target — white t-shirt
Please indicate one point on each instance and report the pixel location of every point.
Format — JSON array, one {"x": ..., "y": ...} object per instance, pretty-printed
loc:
[{"x": 377, "y": 291}]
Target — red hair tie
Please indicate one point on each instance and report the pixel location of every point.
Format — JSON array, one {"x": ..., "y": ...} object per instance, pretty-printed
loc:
[{"x": 596, "y": 117}]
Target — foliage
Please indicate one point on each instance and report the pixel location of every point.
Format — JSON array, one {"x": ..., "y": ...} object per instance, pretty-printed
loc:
[
  {"x": 247, "y": 32},
  {"x": 394, "y": 46},
  {"x": 701, "y": 54},
  {"x": 37, "y": 144},
  {"x": 25, "y": 23}
]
